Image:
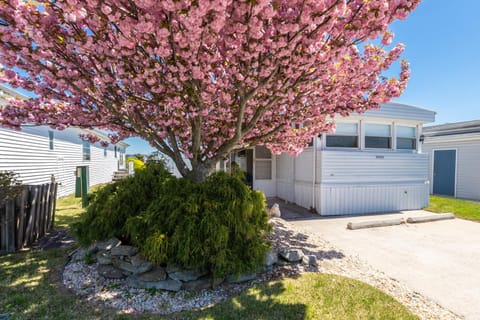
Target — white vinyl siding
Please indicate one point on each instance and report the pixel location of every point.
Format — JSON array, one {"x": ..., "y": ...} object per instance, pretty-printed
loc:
[{"x": 27, "y": 153}]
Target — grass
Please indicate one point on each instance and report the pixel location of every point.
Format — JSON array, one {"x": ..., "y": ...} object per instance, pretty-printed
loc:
[
  {"x": 30, "y": 288},
  {"x": 464, "y": 209}
]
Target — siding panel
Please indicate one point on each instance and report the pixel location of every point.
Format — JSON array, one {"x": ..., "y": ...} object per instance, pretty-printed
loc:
[{"x": 27, "y": 153}]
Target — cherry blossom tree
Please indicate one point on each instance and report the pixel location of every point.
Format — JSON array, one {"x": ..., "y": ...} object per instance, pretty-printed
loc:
[{"x": 199, "y": 79}]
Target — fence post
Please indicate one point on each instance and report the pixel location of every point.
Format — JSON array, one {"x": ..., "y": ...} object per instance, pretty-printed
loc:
[
  {"x": 33, "y": 191},
  {"x": 10, "y": 225},
  {"x": 54, "y": 204},
  {"x": 21, "y": 217}
]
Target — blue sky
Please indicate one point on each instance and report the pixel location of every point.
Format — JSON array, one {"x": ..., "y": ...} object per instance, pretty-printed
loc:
[{"x": 442, "y": 39}]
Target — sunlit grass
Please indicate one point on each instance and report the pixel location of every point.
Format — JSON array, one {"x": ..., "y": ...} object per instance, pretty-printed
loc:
[{"x": 465, "y": 209}]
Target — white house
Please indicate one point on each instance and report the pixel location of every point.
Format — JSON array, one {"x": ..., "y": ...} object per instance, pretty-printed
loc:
[
  {"x": 454, "y": 150},
  {"x": 36, "y": 153},
  {"x": 373, "y": 163}
]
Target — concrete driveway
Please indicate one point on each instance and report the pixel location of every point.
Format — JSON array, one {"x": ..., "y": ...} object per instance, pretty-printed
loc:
[{"x": 441, "y": 259}]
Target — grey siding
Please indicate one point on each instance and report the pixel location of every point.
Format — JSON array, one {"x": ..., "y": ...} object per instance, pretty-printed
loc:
[
  {"x": 373, "y": 166},
  {"x": 27, "y": 153},
  {"x": 468, "y": 163},
  {"x": 401, "y": 111}
]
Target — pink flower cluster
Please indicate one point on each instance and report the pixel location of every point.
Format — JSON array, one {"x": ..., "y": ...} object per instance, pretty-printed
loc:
[{"x": 199, "y": 77}]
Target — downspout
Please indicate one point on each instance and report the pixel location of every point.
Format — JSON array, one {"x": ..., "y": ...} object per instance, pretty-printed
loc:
[{"x": 314, "y": 149}]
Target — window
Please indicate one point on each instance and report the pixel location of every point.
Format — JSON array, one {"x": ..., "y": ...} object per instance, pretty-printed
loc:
[
  {"x": 86, "y": 150},
  {"x": 263, "y": 163},
  {"x": 105, "y": 152},
  {"x": 345, "y": 136},
  {"x": 50, "y": 140},
  {"x": 115, "y": 151},
  {"x": 406, "y": 138},
  {"x": 378, "y": 136},
  {"x": 122, "y": 152}
]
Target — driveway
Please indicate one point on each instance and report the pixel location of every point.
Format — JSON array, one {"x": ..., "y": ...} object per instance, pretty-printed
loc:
[{"x": 440, "y": 260}]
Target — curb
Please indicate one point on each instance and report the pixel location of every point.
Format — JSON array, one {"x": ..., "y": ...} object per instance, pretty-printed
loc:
[
  {"x": 435, "y": 217},
  {"x": 375, "y": 224}
]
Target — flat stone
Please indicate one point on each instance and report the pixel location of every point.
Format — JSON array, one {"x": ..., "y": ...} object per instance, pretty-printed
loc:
[
  {"x": 139, "y": 262},
  {"x": 241, "y": 278},
  {"x": 129, "y": 267},
  {"x": 186, "y": 275},
  {"x": 110, "y": 272},
  {"x": 199, "y": 284},
  {"x": 292, "y": 255},
  {"x": 124, "y": 251},
  {"x": 78, "y": 255},
  {"x": 171, "y": 268},
  {"x": 311, "y": 260},
  {"x": 271, "y": 257},
  {"x": 109, "y": 244},
  {"x": 156, "y": 274},
  {"x": 104, "y": 257},
  {"x": 169, "y": 285}
]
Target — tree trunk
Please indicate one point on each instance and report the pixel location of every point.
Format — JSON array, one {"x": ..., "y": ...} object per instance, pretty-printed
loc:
[{"x": 200, "y": 171}]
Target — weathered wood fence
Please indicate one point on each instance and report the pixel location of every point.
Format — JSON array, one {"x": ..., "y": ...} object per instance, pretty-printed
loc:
[{"x": 28, "y": 217}]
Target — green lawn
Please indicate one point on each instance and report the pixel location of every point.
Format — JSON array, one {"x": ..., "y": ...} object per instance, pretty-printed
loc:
[
  {"x": 30, "y": 288},
  {"x": 465, "y": 209}
]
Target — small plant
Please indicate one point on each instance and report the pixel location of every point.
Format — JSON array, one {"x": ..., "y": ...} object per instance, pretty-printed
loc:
[{"x": 10, "y": 187}]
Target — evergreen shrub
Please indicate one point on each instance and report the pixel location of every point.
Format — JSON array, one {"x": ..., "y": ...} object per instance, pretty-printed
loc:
[
  {"x": 110, "y": 206},
  {"x": 218, "y": 225}
]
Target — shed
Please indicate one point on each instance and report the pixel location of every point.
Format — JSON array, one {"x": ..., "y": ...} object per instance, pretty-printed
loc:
[{"x": 454, "y": 150}]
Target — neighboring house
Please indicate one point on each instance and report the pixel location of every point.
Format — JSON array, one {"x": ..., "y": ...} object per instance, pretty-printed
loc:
[
  {"x": 373, "y": 163},
  {"x": 36, "y": 153},
  {"x": 454, "y": 150}
]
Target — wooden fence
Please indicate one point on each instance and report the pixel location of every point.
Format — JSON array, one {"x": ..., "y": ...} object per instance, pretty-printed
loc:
[{"x": 28, "y": 217}]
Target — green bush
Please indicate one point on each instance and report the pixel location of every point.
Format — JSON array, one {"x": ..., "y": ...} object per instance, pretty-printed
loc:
[
  {"x": 218, "y": 225},
  {"x": 10, "y": 187},
  {"x": 111, "y": 205}
]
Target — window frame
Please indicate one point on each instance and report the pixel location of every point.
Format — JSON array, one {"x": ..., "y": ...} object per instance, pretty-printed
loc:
[
  {"x": 86, "y": 150},
  {"x": 51, "y": 138},
  {"x": 263, "y": 160},
  {"x": 390, "y": 136},
  {"x": 413, "y": 139},
  {"x": 358, "y": 136}
]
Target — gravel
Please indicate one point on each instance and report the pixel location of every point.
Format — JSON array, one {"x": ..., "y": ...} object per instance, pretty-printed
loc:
[{"x": 84, "y": 280}]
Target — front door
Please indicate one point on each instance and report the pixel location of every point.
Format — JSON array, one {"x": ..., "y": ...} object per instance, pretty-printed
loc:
[{"x": 444, "y": 171}]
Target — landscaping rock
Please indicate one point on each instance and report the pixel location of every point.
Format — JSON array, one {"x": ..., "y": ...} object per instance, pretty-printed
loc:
[
  {"x": 170, "y": 285},
  {"x": 108, "y": 245},
  {"x": 203, "y": 283},
  {"x": 124, "y": 251},
  {"x": 139, "y": 262},
  {"x": 110, "y": 272},
  {"x": 271, "y": 258},
  {"x": 156, "y": 274},
  {"x": 186, "y": 275},
  {"x": 78, "y": 255},
  {"x": 310, "y": 260},
  {"x": 292, "y": 255},
  {"x": 275, "y": 211},
  {"x": 241, "y": 278},
  {"x": 104, "y": 257},
  {"x": 129, "y": 267}
]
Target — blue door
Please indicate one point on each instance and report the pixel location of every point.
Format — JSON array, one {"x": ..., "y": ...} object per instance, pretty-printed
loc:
[{"x": 444, "y": 165}]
